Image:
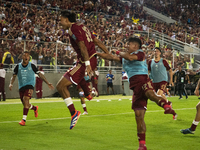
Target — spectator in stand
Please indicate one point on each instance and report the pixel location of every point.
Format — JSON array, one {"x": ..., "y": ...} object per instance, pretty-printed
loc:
[{"x": 47, "y": 60}]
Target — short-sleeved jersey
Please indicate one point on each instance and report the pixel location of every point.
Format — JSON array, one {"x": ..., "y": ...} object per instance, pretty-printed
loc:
[
  {"x": 26, "y": 75},
  {"x": 79, "y": 32},
  {"x": 109, "y": 78}
]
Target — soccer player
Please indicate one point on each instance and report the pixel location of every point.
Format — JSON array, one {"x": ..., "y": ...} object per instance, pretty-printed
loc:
[
  {"x": 158, "y": 68},
  {"x": 82, "y": 96},
  {"x": 135, "y": 66},
  {"x": 109, "y": 78},
  {"x": 192, "y": 129},
  {"x": 94, "y": 80},
  {"x": 2, "y": 82},
  {"x": 39, "y": 81},
  {"x": 25, "y": 71},
  {"x": 83, "y": 42}
]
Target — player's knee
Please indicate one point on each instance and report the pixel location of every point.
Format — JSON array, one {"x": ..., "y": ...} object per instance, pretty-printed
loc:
[{"x": 198, "y": 106}]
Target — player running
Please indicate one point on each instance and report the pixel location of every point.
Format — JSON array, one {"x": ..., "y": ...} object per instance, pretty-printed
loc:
[{"x": 25, "y": 71}]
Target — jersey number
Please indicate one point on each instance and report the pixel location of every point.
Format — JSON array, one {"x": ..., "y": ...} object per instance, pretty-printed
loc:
[{"x": 88, "y": 34}]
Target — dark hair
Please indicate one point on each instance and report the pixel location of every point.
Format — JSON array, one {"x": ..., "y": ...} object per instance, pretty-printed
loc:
[
  {"x": 134, "y": 39},
  {"x": 158, "y": 49},
  {"x": 26, "y": 52},
  {"x": 69, "y": 15}
]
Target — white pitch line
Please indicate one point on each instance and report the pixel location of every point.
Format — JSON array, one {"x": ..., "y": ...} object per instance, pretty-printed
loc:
[
  {"x": 93, "y": 115},
  {"x": 94, "y": 100}
]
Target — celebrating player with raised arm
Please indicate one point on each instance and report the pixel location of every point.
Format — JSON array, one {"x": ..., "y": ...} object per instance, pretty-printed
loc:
[
  {"x": 83, "y": 42},
  {"x": 135, "y": 66}
]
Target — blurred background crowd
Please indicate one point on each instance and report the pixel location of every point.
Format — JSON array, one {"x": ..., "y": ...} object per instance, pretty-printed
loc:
[{"x": 34, "y": 25}]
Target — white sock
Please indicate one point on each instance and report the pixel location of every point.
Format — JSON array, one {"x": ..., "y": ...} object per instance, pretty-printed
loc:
[
  {"x": 68, "y": 101},
  {"x": 84, "y": 105},
  {"x": 195, "y": 122},
  {"x": 31, "y": 106},
  {"x": 24, "y": 117}
]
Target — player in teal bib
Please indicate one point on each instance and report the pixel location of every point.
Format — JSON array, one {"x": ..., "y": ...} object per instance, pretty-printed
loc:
[
  {"x": 135, "y": 66},
  {"x": 158, "y": 68},
  {"x": 25, "y": 71}
]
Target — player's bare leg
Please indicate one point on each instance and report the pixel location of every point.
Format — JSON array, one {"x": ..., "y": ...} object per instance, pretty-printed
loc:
[
  {"x": 141, "y": 128},
  {"x": 82, "y": 97},
  {"x": 62, "y": 87},
  {"x": 195, "y": 122},
  {"x": 26, "y": 108},
  {"x": 160, "y": 101}
]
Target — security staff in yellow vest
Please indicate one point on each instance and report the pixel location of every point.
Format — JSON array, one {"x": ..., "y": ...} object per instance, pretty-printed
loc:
[
  {"x": 169, "y": 62},
  {"x": 187, "y": 65},
  {"x": 192, "y": 59},
  {"x": 53, "y": 61},
  {"x": 157, "y": 43},
  {"x": 7, "y": 58},
  {"x": 178, "y": 53},
  {"x": 30, "y": 58}
]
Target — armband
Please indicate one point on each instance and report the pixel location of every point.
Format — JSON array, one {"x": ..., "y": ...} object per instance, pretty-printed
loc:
[
  {"x": 117, "y": 52},
  {"x": 87, "y": 63}
]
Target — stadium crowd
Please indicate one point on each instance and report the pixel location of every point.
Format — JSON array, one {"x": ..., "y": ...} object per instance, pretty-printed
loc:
[{"x": 38, "y": 23}]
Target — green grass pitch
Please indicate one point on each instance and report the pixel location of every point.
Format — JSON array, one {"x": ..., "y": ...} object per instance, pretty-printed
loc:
[{"x": 110, "y": 125}]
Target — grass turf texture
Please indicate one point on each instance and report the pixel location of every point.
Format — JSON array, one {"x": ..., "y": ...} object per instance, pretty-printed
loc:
[{"x": 110, "y": 125}]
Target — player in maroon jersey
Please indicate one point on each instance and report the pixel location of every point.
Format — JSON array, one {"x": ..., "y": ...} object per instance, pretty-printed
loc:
[{"x": 83, "y": 42}]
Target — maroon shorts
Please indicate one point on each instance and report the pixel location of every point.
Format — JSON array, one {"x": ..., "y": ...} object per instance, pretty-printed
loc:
[
  {"x": 26, "y": 92},
  {"x": 77, "y": 73},
  {"x": 140, "y": 84},
  {"x": 160, "y": 85}
]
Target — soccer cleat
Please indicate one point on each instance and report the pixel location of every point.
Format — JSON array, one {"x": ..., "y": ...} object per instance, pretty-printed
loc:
[
  {"x": 187, "y": 131},
  {"x": 168, "y": 109},
  {"x": 74, "y": 119},
  {"x": 142, "y": 147},
  {"x": 94, "y": 92},
  {"x": 175, "y": 117},
  {"x": 22, "y": 122},
  {"x": 85, "y": 113},
  {"x": 36, "y": 111},
  {"x": 89, "y": 97}
]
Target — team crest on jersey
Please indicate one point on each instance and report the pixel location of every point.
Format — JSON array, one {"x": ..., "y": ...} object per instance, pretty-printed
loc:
[{"x": 74, "y": 37}]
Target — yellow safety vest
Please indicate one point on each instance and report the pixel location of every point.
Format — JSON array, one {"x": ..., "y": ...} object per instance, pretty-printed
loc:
[
  {"x": 170, "y": 63},
  {"x": 187, "y": 65},
  {"x": 192, "y": 60},
  {"x": 157, "y": 44},
  {"x": 30, "y": 58},
  {"x": 177, "y": 54},
  {"x": 52, "y": 61}
]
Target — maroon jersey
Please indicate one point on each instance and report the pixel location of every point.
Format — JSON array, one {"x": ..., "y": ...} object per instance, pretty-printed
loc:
[{"x": 77, "y": 33}]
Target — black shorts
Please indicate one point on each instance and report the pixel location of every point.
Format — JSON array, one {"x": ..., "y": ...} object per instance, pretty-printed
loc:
[{"x": 109, "y": 84}]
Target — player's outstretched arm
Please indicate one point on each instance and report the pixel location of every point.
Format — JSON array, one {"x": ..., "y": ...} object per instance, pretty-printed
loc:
[
  {"x": 108, "y": 56},
  {"x": 12, "y": 80},
  {"x": 45, "y": 80},
  {"x": 100, "y": 45}
]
